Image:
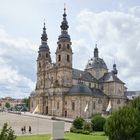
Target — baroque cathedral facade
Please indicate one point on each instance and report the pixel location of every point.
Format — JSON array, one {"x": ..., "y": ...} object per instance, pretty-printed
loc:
[{"x": 64, "y": 91}]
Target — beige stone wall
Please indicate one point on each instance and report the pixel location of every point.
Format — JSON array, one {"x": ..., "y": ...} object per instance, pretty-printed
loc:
[
  {"x": 64, "y": 49},
  {"x": 94, "y": 106},
  {"x": 64, "y": 76},
  {"x": 97, "y": 72},
  {"x": 116, "y": 103},
  {"x": 115, "y": 91},
  {"x": 34, "y": 101},
  {"x": 113, "y": 88}
]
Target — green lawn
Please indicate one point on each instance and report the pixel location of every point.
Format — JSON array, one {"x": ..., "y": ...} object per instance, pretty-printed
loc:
[{"x": 69, "y": 136}]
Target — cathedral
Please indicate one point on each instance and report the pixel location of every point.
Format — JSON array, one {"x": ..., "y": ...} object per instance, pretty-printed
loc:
[{"x": 64, "y": 91}]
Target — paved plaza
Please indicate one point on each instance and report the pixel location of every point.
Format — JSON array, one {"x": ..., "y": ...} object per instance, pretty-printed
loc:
[{"x": 40, "y": 124}]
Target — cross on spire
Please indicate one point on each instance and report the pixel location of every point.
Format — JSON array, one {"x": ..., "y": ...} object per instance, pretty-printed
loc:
[{"x": 44, "y": 37}]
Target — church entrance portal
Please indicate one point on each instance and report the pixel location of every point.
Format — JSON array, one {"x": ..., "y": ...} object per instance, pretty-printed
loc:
[
  {"x": 46, "y": 110},
  {"x": 65, "y": 113}
]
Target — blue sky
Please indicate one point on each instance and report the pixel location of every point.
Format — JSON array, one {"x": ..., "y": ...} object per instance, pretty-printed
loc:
[{"x": 114, "y": 24}]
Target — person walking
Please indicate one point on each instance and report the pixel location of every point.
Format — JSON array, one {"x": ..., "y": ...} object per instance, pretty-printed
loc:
[
  {"x": 30, "y": 129},
  {"x": 22, "y": 130}
]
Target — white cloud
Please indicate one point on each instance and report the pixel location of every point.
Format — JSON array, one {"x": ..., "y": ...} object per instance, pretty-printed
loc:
[
  {"x": 118, "y": 35},
  {"x": 17, "y": 66},
  {"x": 116, "y": 32}
]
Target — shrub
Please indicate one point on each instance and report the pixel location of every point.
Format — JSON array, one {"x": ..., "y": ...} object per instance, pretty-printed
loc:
[
  {"x": 78, "y": 123},
  {"x": 85, "y": 132},
  {"x": 79, "y": 131},
  {"x": 73, "y": 129},
  {"x": 123, "y": 124},
  {"x": 87, "y": 126},
  {"x": 137, "y": 136},
  {"x": 96, "y": 114},
  {"x": 7, "y": 133},
  {"x": 98, "y": 123}
]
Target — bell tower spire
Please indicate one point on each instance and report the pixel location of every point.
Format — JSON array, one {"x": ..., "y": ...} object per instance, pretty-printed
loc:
[
  {"x": 96, "y": 51},
  {"x": 43, "y": 59},
  {"x": 44, "y": 50},
  {"x": 64, "y": 52},
  {"x": 64, "y": 28},
  {"x": 44, "y": 37}
]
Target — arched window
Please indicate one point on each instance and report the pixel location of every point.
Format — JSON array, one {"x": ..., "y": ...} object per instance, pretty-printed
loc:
[
  {"x": 93, "y": 105},
  {"x": 99, "y": 101},
  {"x": 90, "y": 85},
  {"x": 59, "y": 46},
  {"x": 46, "y": 55},
  {"x": 73, "y": 106},
  {"x": 59, "y": 57},
  {"x": 118, "y": 101},
  {"x": 39, "y": 55},
  {"x": 57, "y": 105},
  {"x": 51, "y": 79},
  {"x": 68, "y": 58},
  {"x": 32, "y": 104},
  {"x": 39, "y": 65},
  {"x": 68, "y": 46}
]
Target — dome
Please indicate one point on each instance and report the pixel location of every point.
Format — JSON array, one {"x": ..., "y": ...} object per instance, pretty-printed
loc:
[
  {"x": 96, "y": 62},
  {"x": 80, "y": 89},
  {"x": 43, "y": 45},
  {"x": 64, "y": 36},
  {"x": 33, "y": 93}
]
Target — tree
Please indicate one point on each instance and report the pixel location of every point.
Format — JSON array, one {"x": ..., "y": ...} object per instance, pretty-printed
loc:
[
  {"x": 78, "y": 122},
  {"x": 26, "y": 101},
  {"x": 7, "y": 105},
  {"x": 123, "y": 124},
  {"x": 98, "y": 123},
  {"x": 87, "y": 126},
  {"x": 136, "y": 104},
  {"x": 7, "y": 133}
]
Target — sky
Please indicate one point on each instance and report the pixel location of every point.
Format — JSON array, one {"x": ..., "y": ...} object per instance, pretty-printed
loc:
[{"x": 113, "y": 24}]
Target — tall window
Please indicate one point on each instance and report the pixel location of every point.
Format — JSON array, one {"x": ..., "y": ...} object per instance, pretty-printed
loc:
[
  {"x": 57, "y": 105},
  {"x": 46, "y": 55},
  {"x": 32, "y": 104},
  {"x": 73, "y": 106},
  {"x": 59, "y": 57},
  {"x": 90, "y": 85},
  {"x": 118, "y": 101},
  {"x": 68, "y": 58},
  {"x": 68, "y": 46},
  {"x": 99, "y": 101},
  {"x": 39, "y": 65},
  {"x": 93, "y": 105},
  {"x": 59, "y": 46}
]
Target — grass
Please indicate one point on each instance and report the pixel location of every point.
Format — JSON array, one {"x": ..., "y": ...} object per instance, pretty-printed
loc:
[{"x": 69, "y": 136}]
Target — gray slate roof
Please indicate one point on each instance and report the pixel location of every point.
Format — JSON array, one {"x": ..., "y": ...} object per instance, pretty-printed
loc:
[
  {"x": 110, "y": 77},
  {"x": 132, "y": 94},
  {"x": 81, "y": 89},
  {"x": 82, "y": 75},
  {"x": 97, "y": 92},
  {"x": 96, "y": 62}
]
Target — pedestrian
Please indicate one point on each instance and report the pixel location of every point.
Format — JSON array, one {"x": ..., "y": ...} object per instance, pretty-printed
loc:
[
  {"x": 22, "y": 130},
  {"x": 30, "y": 129}
]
